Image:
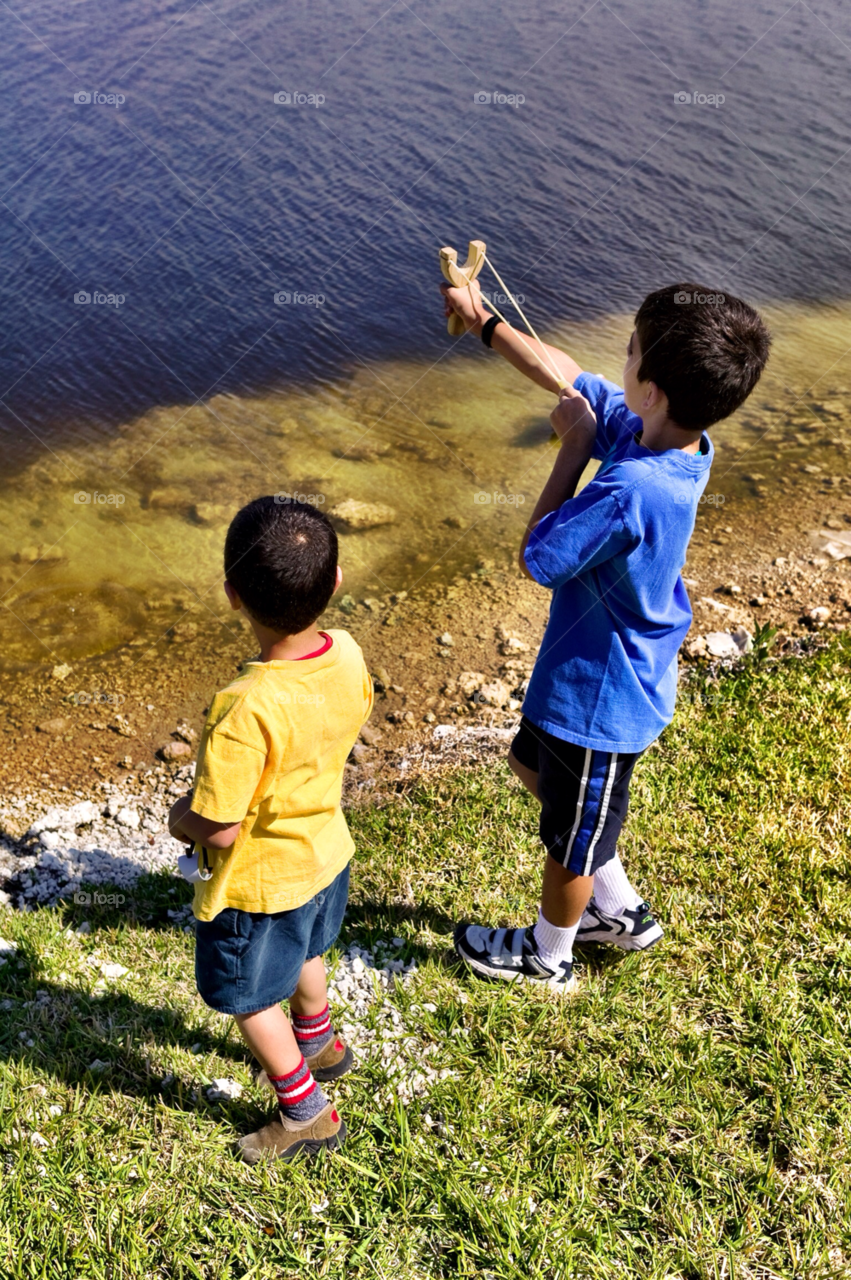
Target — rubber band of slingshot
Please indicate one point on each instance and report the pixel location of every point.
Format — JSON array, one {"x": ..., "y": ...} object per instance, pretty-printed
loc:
[
  {"x": 548, "y": 368},
  {"x": 543, "y": 357}
]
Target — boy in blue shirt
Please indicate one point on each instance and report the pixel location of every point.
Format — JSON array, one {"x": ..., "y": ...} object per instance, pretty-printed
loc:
[{"x": 604, "y": 683}]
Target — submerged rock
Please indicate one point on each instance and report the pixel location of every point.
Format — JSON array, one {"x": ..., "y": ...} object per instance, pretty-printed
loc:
[{"x": 354, "y": 516}]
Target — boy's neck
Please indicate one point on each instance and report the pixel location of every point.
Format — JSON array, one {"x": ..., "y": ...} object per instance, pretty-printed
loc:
[
  {"x": 663, "y": 434},
  {"x": 277, "y": 648}
]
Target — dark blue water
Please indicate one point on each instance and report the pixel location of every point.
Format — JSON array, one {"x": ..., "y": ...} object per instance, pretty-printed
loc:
[{"x": 198, "y": 198}]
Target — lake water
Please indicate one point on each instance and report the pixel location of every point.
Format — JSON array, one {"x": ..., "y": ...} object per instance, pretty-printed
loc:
[{"x": 183, "y": 387}]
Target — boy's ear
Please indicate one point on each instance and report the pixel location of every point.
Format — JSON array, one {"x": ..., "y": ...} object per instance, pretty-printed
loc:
[
  {"x": 339, "y": 579},
  {"x": 235, "y": 602},
  {"x": 653, "y": 397}
]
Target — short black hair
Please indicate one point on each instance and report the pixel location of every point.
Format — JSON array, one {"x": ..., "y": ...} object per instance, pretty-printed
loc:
[
  {"x": 281, "y": 560},
  {"x": 704, "y": 349}
]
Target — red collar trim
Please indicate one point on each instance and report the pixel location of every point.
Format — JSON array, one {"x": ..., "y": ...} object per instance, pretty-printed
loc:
[{"x": 317, "y": 653}]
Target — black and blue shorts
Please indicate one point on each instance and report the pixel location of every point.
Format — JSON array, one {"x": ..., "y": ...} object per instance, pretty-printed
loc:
[{"x": 584, "y": 796}]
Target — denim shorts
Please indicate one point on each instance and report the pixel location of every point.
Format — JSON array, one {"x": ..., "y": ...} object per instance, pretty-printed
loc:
[{"x": 246, "y": 961}]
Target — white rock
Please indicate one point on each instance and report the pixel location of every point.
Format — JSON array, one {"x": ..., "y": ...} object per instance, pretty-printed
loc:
[
  {"x": 38, "y": 1141},
  {"x": 720, "y": 644},
  {"x": 495, "y": 693},
  {"x": 710, "y": 603},
  {"x": 468, "y": 682},
  {"x": 224, "y": 1090},
  {"x": 128, "y": 818},
  {"x": 7, "y": 948},
  {"x": 113, "y": 970}
]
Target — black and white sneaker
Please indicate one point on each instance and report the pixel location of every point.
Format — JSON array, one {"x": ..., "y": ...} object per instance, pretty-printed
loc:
[
  {"x": 630, "y": 930},
  {"x": 510, "y": 955}
]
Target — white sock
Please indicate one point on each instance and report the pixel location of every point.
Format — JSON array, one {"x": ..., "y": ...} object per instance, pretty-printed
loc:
[
  {"x": 613, "y": 892},
  {"x": 554, "y": 944}
]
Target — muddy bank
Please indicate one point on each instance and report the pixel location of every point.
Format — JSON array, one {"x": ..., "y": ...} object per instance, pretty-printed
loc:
[{"x": 454, "y": 654}]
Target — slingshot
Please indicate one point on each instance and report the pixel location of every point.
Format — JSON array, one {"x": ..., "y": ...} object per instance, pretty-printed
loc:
[{"x": 462, "y": 277}]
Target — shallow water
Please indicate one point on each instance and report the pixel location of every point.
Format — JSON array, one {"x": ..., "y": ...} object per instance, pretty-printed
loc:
[{"x": 459, "y": 449}]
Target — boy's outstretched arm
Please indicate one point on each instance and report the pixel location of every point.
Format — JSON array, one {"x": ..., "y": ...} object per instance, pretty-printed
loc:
[
  {"x": 576, "y": 427},
  {"x": 506, "y": 341}
]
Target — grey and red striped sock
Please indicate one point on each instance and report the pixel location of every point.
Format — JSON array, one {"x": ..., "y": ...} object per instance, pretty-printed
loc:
[
  {"x": 312, "y": 1031},
  {"x": 299, "y": 1096}
]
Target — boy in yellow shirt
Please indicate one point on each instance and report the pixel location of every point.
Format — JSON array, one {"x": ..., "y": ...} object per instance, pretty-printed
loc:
[{"x": 265, "y": 814}]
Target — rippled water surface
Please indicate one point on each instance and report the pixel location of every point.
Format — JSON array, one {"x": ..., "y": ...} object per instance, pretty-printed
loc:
[{"x": 198, "y": 199}]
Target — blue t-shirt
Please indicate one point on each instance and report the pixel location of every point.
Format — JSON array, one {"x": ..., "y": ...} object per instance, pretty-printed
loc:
[{"x": 606, "y": 674}]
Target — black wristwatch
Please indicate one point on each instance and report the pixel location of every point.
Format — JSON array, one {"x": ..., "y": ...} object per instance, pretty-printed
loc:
[{"x": 488, "y": 328}]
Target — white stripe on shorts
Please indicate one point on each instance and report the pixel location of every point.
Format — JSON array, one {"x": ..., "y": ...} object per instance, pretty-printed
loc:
[
  {"x": 601, "y": 817},
  {"x": 580, "y": 800}
]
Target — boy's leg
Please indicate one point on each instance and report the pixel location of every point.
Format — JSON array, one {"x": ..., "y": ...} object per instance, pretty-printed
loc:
[
  {"x": 613, "y": 892},
  {"x": 271, "y": 1039},
  {"x": 583, "y": 797},
  {"x": 527, "y": 775},
  {"x": 306, "y": 1120},
  {"x": 328, "y": 1056},
  {"x": 617, "y": 914}
]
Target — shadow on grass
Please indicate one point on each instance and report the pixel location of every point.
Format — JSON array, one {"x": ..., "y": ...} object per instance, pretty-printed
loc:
[{"x": 62, "y": 1029}]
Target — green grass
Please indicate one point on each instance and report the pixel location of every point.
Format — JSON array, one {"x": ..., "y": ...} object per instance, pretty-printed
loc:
[{"x": 686, "y": 1114}]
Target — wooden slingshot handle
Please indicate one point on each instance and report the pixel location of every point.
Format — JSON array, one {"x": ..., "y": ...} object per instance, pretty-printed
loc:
[{"x": 460, "y": 276}]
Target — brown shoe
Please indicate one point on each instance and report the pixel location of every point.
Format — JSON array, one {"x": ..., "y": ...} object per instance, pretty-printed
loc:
[
  {"x": 282, "y": 1139},
  {"x": 332, "y": 1061}
]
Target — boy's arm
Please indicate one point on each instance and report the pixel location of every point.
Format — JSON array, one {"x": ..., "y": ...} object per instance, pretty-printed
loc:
[
  {"x": 467, "y": 303},
  {"x": 191, "y": 828},
  {"x": 576, "y": 428}
]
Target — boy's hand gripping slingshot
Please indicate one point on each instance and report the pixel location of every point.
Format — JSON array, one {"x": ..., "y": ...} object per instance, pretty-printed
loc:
[{"x": 462, "y": 277}]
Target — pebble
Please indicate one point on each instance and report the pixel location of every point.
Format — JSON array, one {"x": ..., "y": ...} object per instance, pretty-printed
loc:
[
  {"x": 59, "y": 724},
  {"x": 224, "y": 1090}
]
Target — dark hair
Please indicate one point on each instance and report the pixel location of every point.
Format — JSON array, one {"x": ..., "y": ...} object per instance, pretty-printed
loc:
[
  {"x": 705, "y": 350},
  {"x": 281, "y": 559}
]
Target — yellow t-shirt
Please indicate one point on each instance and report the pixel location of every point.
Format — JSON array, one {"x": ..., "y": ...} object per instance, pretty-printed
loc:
[{"x": 272, "y": 755}]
